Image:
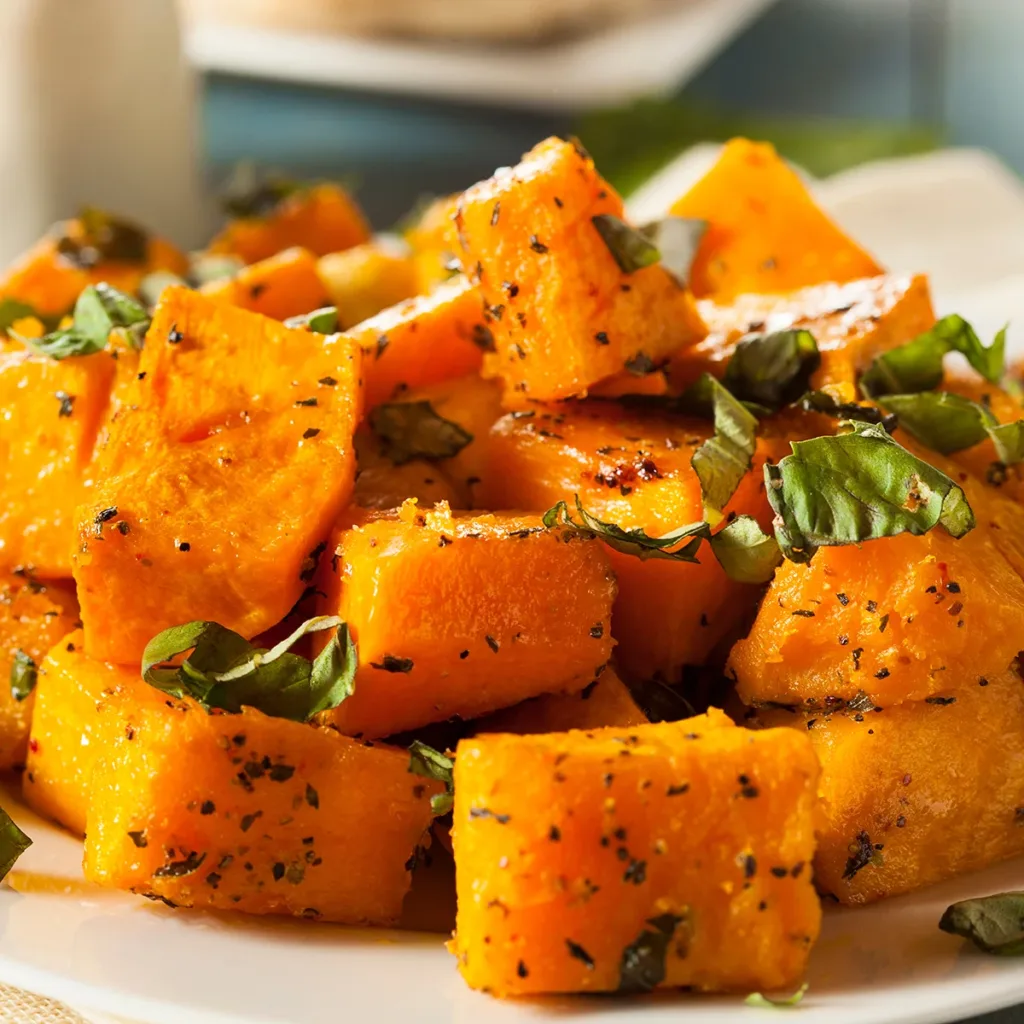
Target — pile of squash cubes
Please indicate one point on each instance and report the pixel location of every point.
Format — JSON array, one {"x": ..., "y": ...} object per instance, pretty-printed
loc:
[{"x": 246, "y": 467}]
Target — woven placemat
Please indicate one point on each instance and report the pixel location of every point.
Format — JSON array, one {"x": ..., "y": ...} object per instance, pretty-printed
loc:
[{"x": 18, "y": 1007}]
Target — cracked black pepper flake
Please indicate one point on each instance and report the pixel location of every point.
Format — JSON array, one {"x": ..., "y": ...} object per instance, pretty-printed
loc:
[
  {"x": 180, "y": 868},
  {"x": 463, "y": 655},
  {"x": 310, "y": 432},
  {"x": 123, "y": 528},
  {"x": 901, "y": 821},
  {"x": 105, "y": 515},
  {"x": 184, "y": 546},
  {"x": 174, "y": 336},
  {"x": 803, "y": 613},
  {"x": 872, "y": 606},
  {"x": 597, "y": 631},
  {"x": 577, "y": 951},
  {"x": 486, "y": 812},
  {"x": 328, "y": 382},
  {"x": 67, "y": 403},
  {"x": 842, "y": 599},
  {"x": 601, "y": 338},
  {"x": 207, "y": 807},
  {"x": 495, "y": 214},
  {"x": 636, "y": 872},
  {"x": 953, "y": 587},
  {"x": 882, "y": 673},
  {"x": 983, "y": 681},
  {"x": 554, "y": 834},
  {"x": 843, "y": 639},
  {"x": 780, "y": 872},
  {"x": 678, "y": 790},
  {"x": 280, "y": 772},
  {"x": 941, "y": 701},
  {"x": 537, "y": 245},
  {"x": 312, "y": 797},
  {"x": 861, "y": 854},
  {"x": 749, "y": 864},
  {"x": 309, "y": 402},
  {"x": 278, "y": 871},
  {"x": 856, "y": 658},
  {"x": 139, "y": 839},
  {"x": 492, "y": 643},
  {"x": 380, "y": 346},
  {"x": 391, "y": 663},
  {"x": 213, "y": 879},
  {"x": 249, "y": 820}
]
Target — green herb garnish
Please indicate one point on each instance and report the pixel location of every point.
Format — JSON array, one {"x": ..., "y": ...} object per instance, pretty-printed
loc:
[
  {"x": 104, "y": 237},
  {"x": 320, "y": 321},
  {"x": 414, "y": 430},
  {"x": 99, "y": 310},
  {"x": 429, "y": 763},
  {"x": 995, "y": 924},
  {"x": 11, "y": 311},
  {"x": 629, "y": 246},
  {"x": 642, "y": 967},
  {"x": 631, "y": 542},
  {"x": 856, "y": 486},
  {"x": 250, "y": 194},
  {"x": 745, "y": 551},
  {"x": 24, "y": 674},
  {"x": 772, "y": 370},
  {"x": 227, "y": 672},
  {"x": 824, "y": 403},
  {"x": 13, "y": 843},
  {"x": 777, "y": 1002}
]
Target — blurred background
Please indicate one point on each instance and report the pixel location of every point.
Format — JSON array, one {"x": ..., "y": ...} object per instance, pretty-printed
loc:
[{"x": 369, "y": 89}]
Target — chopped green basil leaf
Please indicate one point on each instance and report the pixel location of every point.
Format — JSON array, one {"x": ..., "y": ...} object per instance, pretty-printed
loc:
[
  {"x": 772, "y": 369},
  {"x": 1008, "y": 439},
  {"x": 857, "y": 486},
  {"x": 104, "y": 237},
  {"x": 320, "y": 321},
  {"x": 207, "y": 267},
  {"x": 413, "y": 430},
  {"x": 632, "y": 542},
  {"x": 13, "y": 843},
  {"x": 917, "y": 365},
  {"x": 429, "y": 763},
  {"x": 11, "y": 311},
  {"x": 24, "y": 674},
  {"x": 995, "y": 924},
  {"x": 724, "y": 459},
  {"x": 225, "y": 671},
  {"x": 642, "y": 967},
  {"x": 99, "y": 310},
  {"x": 940, "y": 420},
  {"x": 777, "y": 1002},
  {"x": 677, "y": 240},
  {"x": 822, "y": 402},
  {"x": 745, "y": 551},
  {"x": 630, "y": 247}
]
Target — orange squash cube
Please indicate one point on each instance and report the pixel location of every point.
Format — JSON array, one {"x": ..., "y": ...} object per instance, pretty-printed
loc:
[
  {"x": 81, "y": 707},
  {"x": 365, "y": 279},
  {"x": 216, "y": 497},
  {"x": 852, "y": 323},
  {"x": 564, "y": 315},
  {"x": 765, "y": 231},
  {"x": 271, "y": 817},
  {"x": 917, "y": 793},
  {"x": 665, "y": 856},
  {"x": 322, "y": 218},
  {"x": 33, "y": 616},
  {"x": 422, "y": 341},
  {"x": 53, "y": 411},
  {"x": 443, "y": 623},
  {"x": 434, "y": 242},
  {"x": 633, "y": 470},
  {"x": 286, "y": 284}
]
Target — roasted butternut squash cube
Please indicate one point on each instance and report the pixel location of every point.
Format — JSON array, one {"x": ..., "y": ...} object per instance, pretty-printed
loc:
[
  {"x": 53, "y": 411},
  {"x": 898, "y": 619},
  {"x": 852, "y": 323},
  {"x": 365, "y": 279},
  {"x": 665, "y": 856},
  {"x": 81, "y": 707},
  {"x": 765, "y": 231},
  {"x": 322, "y": 218},
  {"x": 444, "y": 624},
  {"x": 422, "y": 341},
  {"x": 33, "y": 616},
  {"x": 218, "y": 495},
  {"x": 286, "y": 284},
  {"x": 920, "y": 792},
  {"x": 434, "y": 242},
  {"x": 271, "y": 817},
  {"x": 633, "y": 470},
  {"x": 55, "y": 271},
  {"x": 563, "y": 313},
  {"x": 605, "y": 702}
]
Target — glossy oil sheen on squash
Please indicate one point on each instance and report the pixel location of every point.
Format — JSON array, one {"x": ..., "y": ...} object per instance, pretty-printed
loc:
[
  {"x": 666, "y": 855},
  {"x": 224, "y": 490},
  {"x": 269, "y": 817},
  {"x": 765, "y": 232},
  {"x": 562, "y": 312},
  {"x": 81, "y": 708},
  {"x": 33, "y": 617},
  {"x": 852, "y": 323},
  {"x": 463, "y": 614},
  {"x": 918, "y": 793},
  {"x": 633, "y": 470}
]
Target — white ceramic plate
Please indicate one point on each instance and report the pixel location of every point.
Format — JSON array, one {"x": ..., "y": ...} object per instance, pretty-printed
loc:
[
  {"x": 625, "y": 62},
  {"x": 116, "y": 954}
]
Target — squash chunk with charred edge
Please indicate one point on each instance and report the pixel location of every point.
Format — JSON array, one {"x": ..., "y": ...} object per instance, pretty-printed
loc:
[
  {"x": 280, "y": 286},
  {"x": 53, "y": 411},
  {"x": 422, "y": 341},
  {"x": 257, "y": 814},
  {"x": 892, "y": 620},
  {"x": 633, "y": 470},
  {"x": 920, "y": 792},
  {"x": 323, "y": 219},
  {"x": 224, "y": 490},
  {"x": 365, "y": 279},
  {"x": 33, "y": 617},
  {"x": 82, "y": 707},
  {"x": 564, "y": 315},
  {"x": 852, "y": 324},
  {"x": 620, "y": 861},
  {"x": 50, "y": 282},
  {"x": 604, "y": 703},
  {"x": 444, "y": 625},
  {"x": 765, "y": 231}
]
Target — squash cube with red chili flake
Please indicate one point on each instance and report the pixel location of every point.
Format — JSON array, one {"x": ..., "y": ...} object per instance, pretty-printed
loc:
[
  {"x": 461, "y": 614},
  {"x": 616, "y": 860},
  {"x": 211, "y": 501},
  {"x": 563, "y": 311},
  {"x": 256, "y": 814}
]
